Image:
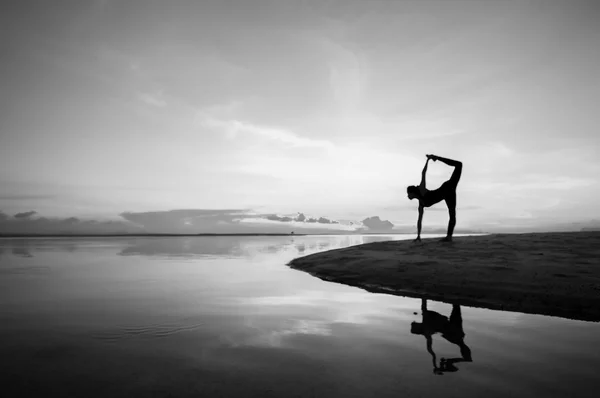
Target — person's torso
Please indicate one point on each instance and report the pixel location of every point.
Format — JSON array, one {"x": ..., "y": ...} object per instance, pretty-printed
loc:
[
  {"x": 434, "y": 322},
  {"x": 432, "y": 197}
]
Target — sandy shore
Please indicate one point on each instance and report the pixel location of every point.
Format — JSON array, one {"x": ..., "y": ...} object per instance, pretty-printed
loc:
[{"x": 539, "y": 273}]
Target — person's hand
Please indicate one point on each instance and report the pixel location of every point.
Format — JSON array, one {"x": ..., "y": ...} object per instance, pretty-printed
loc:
[{"x": 431, "y": 157}]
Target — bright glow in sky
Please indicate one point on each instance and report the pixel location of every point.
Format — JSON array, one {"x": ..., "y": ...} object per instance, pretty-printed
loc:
[{"x": 280, "y": 107}]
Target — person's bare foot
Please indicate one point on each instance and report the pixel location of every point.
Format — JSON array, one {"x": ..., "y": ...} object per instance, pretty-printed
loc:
[{"x": 446, "y": 239}]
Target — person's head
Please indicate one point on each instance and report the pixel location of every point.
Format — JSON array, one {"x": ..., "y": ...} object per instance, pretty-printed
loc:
[
  {"x": 412, "y": 192},
  {"x": 416, "y": 328}
]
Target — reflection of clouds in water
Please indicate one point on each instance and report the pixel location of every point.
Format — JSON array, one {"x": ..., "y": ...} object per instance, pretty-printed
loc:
[
  {"x": 275, "y": 320},
  {"x": 252, "y": 247},
  {"x": 212, "y": 246},
  {"x": 304, "y": 245},
  {"x": 18, "y": 247},
  {"x": 311, "y": 298},
  {"x": 184, "y": 247},
  {"x": 276, "y": 335},
  {"x": 357, "y": 307},
  {"x": 31, "y": 247},
  {"x": 21, "y": 252},
  {"x": 189, "y": 247},
  {"x": 277, "y": 247}
]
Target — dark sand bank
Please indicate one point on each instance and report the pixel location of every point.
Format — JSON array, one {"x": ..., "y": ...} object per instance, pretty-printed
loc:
[{"x": 554, "y": 274}]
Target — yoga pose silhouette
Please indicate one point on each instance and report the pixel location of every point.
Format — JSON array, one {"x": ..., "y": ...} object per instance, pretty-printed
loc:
[
  {"x": 451, "y": 330},
  {"x": 447, "y": 192}
]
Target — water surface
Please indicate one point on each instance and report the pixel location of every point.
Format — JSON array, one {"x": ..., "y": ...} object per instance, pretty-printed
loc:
[{"x": 224, "y": 316}]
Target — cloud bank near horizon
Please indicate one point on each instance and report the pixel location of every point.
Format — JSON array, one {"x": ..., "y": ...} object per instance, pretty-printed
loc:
[
  {"x": 231, "y": 221},
  {"x": 246, "y": 221},
  {"x": 187, "y": 221},
  {"x": 26, "y": 223}
]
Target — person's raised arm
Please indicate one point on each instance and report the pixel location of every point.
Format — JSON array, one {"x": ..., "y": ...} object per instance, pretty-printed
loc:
[{"x": 423, "y": 184}]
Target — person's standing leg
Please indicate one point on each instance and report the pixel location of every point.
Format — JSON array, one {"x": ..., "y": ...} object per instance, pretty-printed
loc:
[
  {"x": 456, "y": 318},
  {"x": 450, "y": 193},
  {"x": 456, "y": 322},
  {"x": 451, "y": 203}
]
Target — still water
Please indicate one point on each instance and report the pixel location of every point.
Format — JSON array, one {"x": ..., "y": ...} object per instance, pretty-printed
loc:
[{"x": 225, "y": 316}]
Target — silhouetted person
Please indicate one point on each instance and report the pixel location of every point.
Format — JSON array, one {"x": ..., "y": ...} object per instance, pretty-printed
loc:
[
  {"x": 447, "y": 192},
  {"x": 451, "y": 329}
]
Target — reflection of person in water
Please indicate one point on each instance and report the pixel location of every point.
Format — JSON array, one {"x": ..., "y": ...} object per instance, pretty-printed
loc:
[{"x": 451, "y": 329}]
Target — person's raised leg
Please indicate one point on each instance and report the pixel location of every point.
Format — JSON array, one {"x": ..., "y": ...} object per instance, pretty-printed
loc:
[
  {"x": 449, "y": 162},
  {"x": 457, "y": 168}
]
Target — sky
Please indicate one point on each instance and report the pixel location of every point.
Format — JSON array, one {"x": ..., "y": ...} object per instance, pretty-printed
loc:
[{"x": 243, "y": 113}]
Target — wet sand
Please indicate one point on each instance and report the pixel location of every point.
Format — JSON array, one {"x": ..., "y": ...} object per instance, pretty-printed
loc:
[{"x": 555, "y": 274}]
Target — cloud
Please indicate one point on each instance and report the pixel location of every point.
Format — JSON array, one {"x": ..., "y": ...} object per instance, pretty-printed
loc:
[
  {"x": 539, "y": 182},
  {"x": 274, "y": 217},
  {"x": 300, "y": 218},
  {"x": 26, "y": 214},
  {"x": 235, "y": 128},
  {"x": 194, "y": 221},
  {"x": 375, "y": 223},
  {"x": 501, "y": 149},
  {"x": 25, "y": 223},
  {"x": 418, "y": 129},
  {"x": 188, "y": 220},
  {"x": 26, "y": 197},
  {"x": 345, "y": 74},
  {"x": 182, "y": 221},
  {"x": 71, "y": 221},
  {"x": 324, "y": 220},
  {"x": 153, "y": 99}
]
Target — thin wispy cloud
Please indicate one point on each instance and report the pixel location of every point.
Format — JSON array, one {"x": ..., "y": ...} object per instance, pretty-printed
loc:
[
  {"x": 238, "y": 129},
  {"x": 416, "y": 129},
  {"x": 20, "y": 197},
  {"x": 153, "y": 99},
  {"x": 536, "y": 183},
  {"x": 345, "y": 75}
]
